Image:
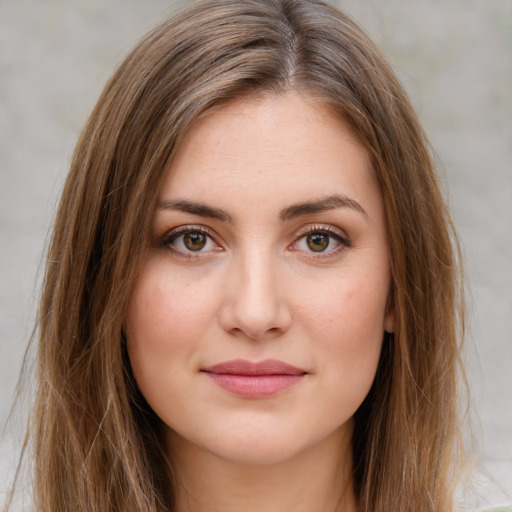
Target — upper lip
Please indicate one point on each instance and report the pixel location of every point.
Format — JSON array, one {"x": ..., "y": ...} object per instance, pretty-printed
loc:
[{"x": 243, "y": 367}]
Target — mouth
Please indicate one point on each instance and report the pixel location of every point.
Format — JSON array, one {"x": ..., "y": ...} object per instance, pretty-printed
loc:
[{"x": 255, "y": 379}]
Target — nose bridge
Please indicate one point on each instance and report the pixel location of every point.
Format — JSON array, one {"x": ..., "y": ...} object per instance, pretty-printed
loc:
[{"x": 256, "y": 303}]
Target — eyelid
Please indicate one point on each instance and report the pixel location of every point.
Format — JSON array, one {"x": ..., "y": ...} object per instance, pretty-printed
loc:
[
  {"x": 324, "y": 228},
  {"x": 186, "y": 228},
  {"x": 174, "y": 233},
  {"x": 339, "y": 235}
]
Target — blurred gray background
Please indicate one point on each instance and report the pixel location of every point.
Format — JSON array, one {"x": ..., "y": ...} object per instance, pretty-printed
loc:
[{"x": 455, "y": 59}]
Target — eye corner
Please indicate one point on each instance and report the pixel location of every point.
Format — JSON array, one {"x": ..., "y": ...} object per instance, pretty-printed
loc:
[
  {"x": 180, "y": 242},
  {"x": 337, "y": 241}
]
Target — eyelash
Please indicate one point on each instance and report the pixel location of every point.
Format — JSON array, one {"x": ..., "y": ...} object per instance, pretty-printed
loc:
[
  {"x": 171, "y": 236},
  {"x": 343, "y": 241}
]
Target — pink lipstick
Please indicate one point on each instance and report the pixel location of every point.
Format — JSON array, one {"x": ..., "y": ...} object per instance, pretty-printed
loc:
[{"x": 254, "y": 380}]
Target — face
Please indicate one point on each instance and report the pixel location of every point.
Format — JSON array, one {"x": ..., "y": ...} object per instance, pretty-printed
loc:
[{"x": 255, "y": 327}]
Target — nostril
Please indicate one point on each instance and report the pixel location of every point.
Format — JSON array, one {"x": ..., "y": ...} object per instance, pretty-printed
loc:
[
  {"x": 251, "y": 305},
  {"x": 255, "y": 333}
]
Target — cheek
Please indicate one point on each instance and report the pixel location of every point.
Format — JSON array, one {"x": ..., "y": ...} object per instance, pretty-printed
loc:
[
  {"x": 164, "y": 308},
  {"x": 352, "y": 309},
  {"x": 166, "y": 321},
  {"x": 346, "y": 324},
  {"x": 352, "y": 335}
]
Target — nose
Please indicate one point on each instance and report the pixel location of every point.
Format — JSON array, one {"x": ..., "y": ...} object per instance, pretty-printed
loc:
[{"x": 254, "y": 304}]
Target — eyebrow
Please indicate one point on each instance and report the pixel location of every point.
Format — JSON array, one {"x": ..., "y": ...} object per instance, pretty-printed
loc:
[
  {"x": 200, "y": 209},
  {"x": 296, "y": 210},
  {"x": 321, "y": 205}
]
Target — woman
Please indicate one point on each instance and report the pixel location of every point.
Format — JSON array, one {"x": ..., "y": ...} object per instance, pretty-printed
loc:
[{"x": 251, "y": 298}]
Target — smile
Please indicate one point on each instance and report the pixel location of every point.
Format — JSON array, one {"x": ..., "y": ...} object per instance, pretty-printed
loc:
[{"x": 254, "y": 380}]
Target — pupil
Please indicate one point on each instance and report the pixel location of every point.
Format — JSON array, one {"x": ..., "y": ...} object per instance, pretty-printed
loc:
[
  {"x": 318, "y": 242},
  {"x": 194, "y": 241}
]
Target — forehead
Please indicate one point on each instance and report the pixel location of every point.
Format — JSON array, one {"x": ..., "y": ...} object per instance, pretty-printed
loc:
[{"x": 266, "y": 148}]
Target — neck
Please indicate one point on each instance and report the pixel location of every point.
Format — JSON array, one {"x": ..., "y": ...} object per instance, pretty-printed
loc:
[{"x": 318, "y": 479}]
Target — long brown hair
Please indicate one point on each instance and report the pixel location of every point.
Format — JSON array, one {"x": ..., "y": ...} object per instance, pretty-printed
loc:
[{"x": 96, "y": 442}]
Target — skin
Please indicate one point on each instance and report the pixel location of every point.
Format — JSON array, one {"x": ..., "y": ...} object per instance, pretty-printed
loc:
[{"x": 259, "y": 289}]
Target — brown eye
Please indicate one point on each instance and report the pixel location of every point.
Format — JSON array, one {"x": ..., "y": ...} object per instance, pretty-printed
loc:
[
  {"x": 321, "y": 242},
  {"x": 195, "y": 241},
  {"x": 318, "y": 242},
  {"x": 188, "y": 240}
]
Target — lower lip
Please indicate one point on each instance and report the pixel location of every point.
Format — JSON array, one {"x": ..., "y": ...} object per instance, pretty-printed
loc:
[{"x": 254, "y": 386}]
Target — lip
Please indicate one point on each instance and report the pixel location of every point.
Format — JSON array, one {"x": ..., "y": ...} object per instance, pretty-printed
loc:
[{"x": 255, "y": 379}]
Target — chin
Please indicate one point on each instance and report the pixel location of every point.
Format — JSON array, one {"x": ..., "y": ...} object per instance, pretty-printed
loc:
[
  {"x": 259, "y": 443},
  {"x": 260, "y": 451}
]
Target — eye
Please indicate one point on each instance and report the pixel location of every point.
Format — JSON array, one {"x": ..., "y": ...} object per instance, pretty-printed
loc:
[
  {"x": 188, "y": 240},
  {"x": 318, "y": 242},
  {"x": 194, "y": 241},
  {"x": 321, "y": 240}
]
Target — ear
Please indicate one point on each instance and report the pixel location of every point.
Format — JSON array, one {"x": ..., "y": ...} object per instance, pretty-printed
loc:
[
  {"x": 389, "y": 321},
  {"x": 389, "y": 316}
]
